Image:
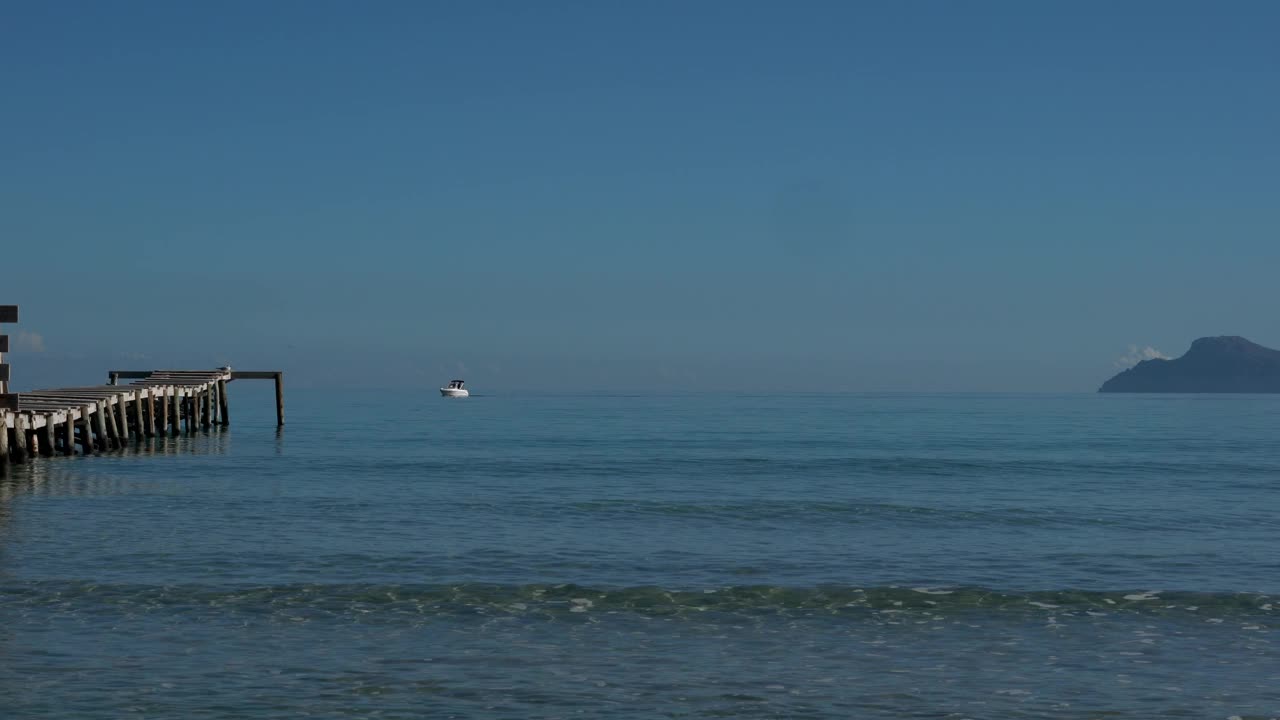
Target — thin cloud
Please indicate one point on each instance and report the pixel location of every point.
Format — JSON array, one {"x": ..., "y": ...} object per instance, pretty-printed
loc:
[
  {"x": 29, "y": 342},
  {"x": 1137, "y": 355}
]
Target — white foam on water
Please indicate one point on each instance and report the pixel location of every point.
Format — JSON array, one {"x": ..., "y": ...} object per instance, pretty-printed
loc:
[
  {"x": 1046, "y": 606},
  {"x": 1149, "y": 595},
  {"x": 930, "y": 591}
]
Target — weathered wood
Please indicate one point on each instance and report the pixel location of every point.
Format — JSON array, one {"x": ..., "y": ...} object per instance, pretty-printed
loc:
[
  {"x": 18, "y": 448},
  {"x": 4, "y": 372},
  {"x": 151, "y": 414},
  {"x": 213, "y": 403},
  {"x": 69, "y": 436},
  {"x": 175, "y": 422},
  {"x": 279, "y": 399},
  {"x": 8, "y": 313},
  {"x": 163, "y": 426},
  {"x": 113, "y": 425},
  {"x": 122, "y": 418},
  {"x": 4, "y": 442},
  {"x": 253, "y": 374},
  {"x": 87, "y": 443},
  {"x": 9, "y": 401},
  {"x": 45, "y": 436},
  {"x": 4, "y": 343},
  {"x": 101, "y": 436},
  {"x": 222, "y": 402},
  {"x": 205, "y": 411},
  {"x": 139, "y": 422}
]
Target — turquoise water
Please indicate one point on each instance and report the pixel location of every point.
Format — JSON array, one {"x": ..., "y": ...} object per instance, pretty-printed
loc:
[{"x": 810, "y": 556}]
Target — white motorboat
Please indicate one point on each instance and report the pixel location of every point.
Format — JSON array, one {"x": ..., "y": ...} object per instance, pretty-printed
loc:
[{"x": 454, "y": 389}]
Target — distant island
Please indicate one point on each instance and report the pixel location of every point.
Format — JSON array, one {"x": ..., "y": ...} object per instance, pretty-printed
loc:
[{"x": 1225, "y": 364}]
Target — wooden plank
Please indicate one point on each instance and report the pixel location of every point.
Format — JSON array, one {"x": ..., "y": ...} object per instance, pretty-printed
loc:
[
  {"x": 8, "y": 313},
  {"x": 9, "y": 402},
  {"x": 254, "y": 374}
]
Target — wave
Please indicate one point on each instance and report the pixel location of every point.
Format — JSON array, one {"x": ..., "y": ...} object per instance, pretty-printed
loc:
[{"x": 569, "y": 599}]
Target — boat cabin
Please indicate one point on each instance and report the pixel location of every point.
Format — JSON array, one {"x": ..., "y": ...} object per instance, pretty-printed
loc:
[{"x": 454, "y": 385}]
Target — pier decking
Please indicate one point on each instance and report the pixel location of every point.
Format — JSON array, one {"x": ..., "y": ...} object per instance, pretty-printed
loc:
[{"x": 103, "y": 418}]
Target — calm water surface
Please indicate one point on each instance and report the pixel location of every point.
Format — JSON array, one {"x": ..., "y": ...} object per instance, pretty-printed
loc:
[{"x": 811, "y": 556}]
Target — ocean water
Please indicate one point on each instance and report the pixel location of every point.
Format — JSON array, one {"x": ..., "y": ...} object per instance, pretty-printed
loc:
[{"x": 637, "y": 556}]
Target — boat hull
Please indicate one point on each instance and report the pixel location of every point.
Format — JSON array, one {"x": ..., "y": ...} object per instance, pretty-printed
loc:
[{"x": 454, "y": 392}]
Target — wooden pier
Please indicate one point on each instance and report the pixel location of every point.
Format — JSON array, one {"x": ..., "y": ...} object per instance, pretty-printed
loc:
[{"x": 103, "y": 418}]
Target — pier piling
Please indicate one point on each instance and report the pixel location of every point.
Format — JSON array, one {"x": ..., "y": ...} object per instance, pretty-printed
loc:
[{"x": 103, "y": 418}]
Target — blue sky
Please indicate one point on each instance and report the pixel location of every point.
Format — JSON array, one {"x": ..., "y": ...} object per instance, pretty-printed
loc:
[{"x": 717, "y": 195}]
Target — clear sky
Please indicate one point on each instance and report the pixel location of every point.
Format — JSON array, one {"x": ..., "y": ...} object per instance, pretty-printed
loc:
[{"x": 899, "y": 195}]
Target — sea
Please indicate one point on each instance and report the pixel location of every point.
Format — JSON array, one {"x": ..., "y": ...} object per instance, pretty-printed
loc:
[{"x": 400, "y": 555}]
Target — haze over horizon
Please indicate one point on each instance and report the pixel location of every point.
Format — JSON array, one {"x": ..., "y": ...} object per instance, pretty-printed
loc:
[{"x": 995, "y": 196}]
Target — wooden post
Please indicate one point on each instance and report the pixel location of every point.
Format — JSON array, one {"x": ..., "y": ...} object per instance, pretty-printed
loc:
[
  {"x": 205, "y": 411},
  {"x": 222, "y": 402},
  {"x": 139, "y": 425},
  {"x": 100, "y": 424},
  {"x": 69, "y": 435},
  {"x": 122, "y": 415},
  {"x": 114, "y": 379},
  {"x": 4, "y": 441},
  {"x": 213, "y": 403},
  {"x": 163, "y": 427},
  {"x": 119, "y": 421},
  {"x": 151, "y": 412},
  {"x": 45, "y": 436},
  {"x": 109, "y": 434},
  {"x": 87, "y": 444},
  {"x": 190, "y": 402},
  {"x": 19, "y": 448},
  {"x": 175, "y": 422},
  {"x": 279, "y": 399}
]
